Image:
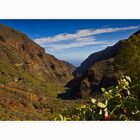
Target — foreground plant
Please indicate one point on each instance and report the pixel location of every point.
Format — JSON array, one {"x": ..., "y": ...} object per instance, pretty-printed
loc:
[{"x": 117, "y": 104}]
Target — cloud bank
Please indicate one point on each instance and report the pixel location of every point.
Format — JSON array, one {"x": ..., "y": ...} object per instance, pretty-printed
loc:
[{"x": 78, "y": 39}]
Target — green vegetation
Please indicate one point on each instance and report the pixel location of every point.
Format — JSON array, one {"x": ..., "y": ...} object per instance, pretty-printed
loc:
[
  {"x": 31, "y": 81},
  {"x": 20, "y": 105},
  {"x": 117, "y": 103},
  {"x": 128, "y": 60}
]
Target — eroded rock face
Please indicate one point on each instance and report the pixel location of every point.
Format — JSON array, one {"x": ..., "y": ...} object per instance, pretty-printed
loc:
[{"x": 22, "y": 58}]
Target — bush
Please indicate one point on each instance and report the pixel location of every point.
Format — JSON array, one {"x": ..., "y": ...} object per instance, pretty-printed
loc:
[{"x": 117, "y": 104}]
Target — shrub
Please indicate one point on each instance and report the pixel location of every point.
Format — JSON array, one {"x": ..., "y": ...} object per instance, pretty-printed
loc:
[{"x": 117, "y": 104}]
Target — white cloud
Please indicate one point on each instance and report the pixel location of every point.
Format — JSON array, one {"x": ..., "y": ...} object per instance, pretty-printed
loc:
[
  {"x": 72, "y": 45},
  {"x": 76, "y": 44},
  {"x": 79, "y": 39}
]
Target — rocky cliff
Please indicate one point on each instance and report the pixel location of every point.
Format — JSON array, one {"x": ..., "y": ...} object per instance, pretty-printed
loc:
[
  {"x": 99, "y": 69},
  {"x": 24, "y": 64}
]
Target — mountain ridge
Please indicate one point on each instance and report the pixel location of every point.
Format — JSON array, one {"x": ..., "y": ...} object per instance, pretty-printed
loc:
[
  {"x": 106, "y": 53},
  {"x": 98, "y": 70}
]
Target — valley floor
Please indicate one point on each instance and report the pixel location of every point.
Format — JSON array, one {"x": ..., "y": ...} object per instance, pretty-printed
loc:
[{"x": 19, "y": 104}]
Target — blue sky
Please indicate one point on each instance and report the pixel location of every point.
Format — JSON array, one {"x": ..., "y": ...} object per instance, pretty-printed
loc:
[{"x": 75, "y": 40}]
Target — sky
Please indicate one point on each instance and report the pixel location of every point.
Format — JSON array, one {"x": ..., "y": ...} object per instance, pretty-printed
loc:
[{"x": 74, "y": 40}]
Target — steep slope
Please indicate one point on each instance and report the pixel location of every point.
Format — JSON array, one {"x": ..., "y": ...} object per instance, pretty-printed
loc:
[
  {"x": 105, "y": 54},
  {"x": 24, "y": 60},
  {"x": 28, "y": 75},
  {"x": 99, "y": 69},
  {"x": 72, "y": 67}
]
